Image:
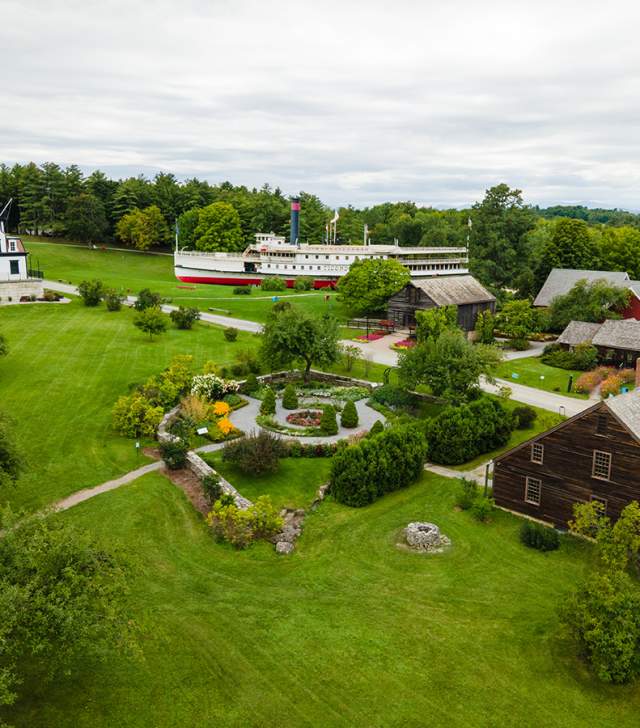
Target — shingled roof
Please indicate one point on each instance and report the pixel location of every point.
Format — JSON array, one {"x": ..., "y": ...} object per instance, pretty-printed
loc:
[
  {"x": 453, "y": 290},
  {"x": 561, "y": 280},
  {"x": 578, "y": 332},
  {"x": 618, "y": 334},
  {"x": 626, "y": 407}
]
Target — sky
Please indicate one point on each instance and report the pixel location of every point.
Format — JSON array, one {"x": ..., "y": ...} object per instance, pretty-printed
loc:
[{"x": 356, "y": 102}]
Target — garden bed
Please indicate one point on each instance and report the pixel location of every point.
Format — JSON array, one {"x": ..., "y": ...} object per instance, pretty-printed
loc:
[{"x": 305, "y": 418}]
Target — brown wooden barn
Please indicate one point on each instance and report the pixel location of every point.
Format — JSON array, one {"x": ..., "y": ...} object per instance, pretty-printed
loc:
[
  {"x": 462, "y": 291},
  {"x": 592, "y": 456},
  {"x": 617, "y": 340}
]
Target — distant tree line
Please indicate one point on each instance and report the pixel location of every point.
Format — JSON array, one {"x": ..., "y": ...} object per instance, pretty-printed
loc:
[{"x": 513, "y": 245}]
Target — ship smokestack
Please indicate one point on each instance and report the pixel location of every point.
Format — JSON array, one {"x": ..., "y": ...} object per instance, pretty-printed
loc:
[{"x": 295, "y": 221}]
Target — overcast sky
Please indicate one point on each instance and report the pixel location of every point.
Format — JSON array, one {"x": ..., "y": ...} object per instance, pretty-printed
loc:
[{"x": 357, "y": 102}]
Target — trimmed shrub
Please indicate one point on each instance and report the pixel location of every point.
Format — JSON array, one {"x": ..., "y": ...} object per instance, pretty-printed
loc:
[
  {"x": 377, "y": 465},
  {"x": 184, "y": 317},
  {"x": 329, "y": 423},
  {"x": 377, "y": 428},
  {"x": 113, "y": 299},
  {"x": 290, "y": 398},
  {"x": 536, "y": 536},
  {"x": 147, "y": 299},
  {"x": 230, "y": 333},
  {"x": 349, "y": 417},
  {"x": 482, "y": 508},
  {"x": 254, "y": 454},
  {"x": 242, "y": 290},
  {"x": 211, "y": 487},
  {"x": 467, "y": 494},
  {"x": 251, "y": 384},
  {"x": 174, "y": 453},
  {"x": 273, "y": 284},
  {"x": 524, "y": 417},
  {"x": 91, "y": 292},
  {"x": 268, "y": 405}
]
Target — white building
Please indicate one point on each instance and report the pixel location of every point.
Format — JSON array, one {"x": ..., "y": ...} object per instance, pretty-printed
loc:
[{"x": 16, "y": 283}]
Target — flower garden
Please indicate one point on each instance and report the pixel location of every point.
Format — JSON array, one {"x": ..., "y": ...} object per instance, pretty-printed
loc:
[{"x": 305, "y": 418}]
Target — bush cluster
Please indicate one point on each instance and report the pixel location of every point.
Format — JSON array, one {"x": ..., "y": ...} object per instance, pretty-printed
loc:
[
  {"x": 230, "y": 333},
  {"x": 174, "y": 453},
  {"x": 459, "y": 434},
  {"x": 212, "y": 387},
  {"x": 184, "y": 317},
  {"x": 362, "y": 473},
  {"x": 273, "y": 284},
  {"x": 391, "y": 396},
  {"x": 524, "y": 417},
  {"x": 254, "y": 454},
  {"x": 113, "y": 299},
  {"x": 540, "y": 537},
  {"x": 303, "y": 283},
  {"x": 241, "y": 527},
  {"x": 469, "y": 498},
  {"x": 297, "y": 449},
  {"x": 91, "y": 292},
  {"x": 582, "y": 357},
  {"x": 147, "y": 299}
]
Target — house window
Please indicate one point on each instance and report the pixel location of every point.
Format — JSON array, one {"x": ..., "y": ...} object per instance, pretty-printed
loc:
[
  {"x": 12, "y": 246},
  {"x": 532, "y": 491},
  {"x": 601, "y": 465},
  {"x": 14, "y": 267},
  {"x": 537, "y": 453},
  {"x": 601, "y": 425},
  {"x": 603, "y": 501}
]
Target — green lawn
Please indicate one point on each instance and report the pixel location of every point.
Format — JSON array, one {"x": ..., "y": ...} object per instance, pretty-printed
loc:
[
  {"x": 529, "y": 371},
  {"x": 348, "y": 631},
  {"x": 294, "y": 485},
  {"x": 132, "y": 271},
  {"x": 67, "y": 366}
]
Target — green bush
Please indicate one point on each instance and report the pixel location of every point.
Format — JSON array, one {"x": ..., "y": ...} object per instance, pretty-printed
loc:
[
  {"x": 273, "y": 284},
  {"x": 135, "y": 416},
  {"x": 391, "y": 396},
  {"x": 582, "y": 357},
  {"x": 303, "y": 283},
  {"x": 230, "y": 333},
  {"x": 381, "y": 464},
  {"x": 211, "y": 487},
  {"x": 268, "y": 405},
  {"x": 174, "y": 453},
  {"x": 242, "y": 290},
  {"x": 147, "y": 299},
  {"x": 289, "y": 397},
  {"x": 251, "y": 384},
  {"x": 113, "y": 299},
  {"x": 467, "y": 494},
  {"x": 11, "y": 461},
  {"x": 184, "y": 317},
  {"x": 377, "y": 428},
  {"x": 482, "y": 508},
  {"x": 254, "y": 454},
  {"x": 536, "y": 536},
  {"x": 524, "y": 417},
  {"x": 349, "y": 418},
  {"x": 519, "y": 344},
  {"x": 91, "y": 292},
  {"x": 328, "y": 422},
  {"x": 241, "y": 527}
]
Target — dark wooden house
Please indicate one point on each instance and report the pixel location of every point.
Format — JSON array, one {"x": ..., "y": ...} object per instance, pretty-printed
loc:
[
  {"x": 592, "y": 456},
  {"x": 462, "y": 291},
  {"x": 617, "y": 340}
]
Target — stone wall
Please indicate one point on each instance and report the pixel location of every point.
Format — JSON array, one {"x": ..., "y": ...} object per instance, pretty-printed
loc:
[
  {"x": 14, "y": 290},
  {"x": 335, "y": 380}
]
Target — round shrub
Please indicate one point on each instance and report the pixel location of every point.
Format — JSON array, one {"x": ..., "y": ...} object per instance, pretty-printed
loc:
[
  {"x": 536, "y": 536},
  {"x": 289, "y": 397},
  {"x": 349, "y": 416},
  {"x": 174, "y": 453},
  {"x": 230, "y": 333},
  {"x": 377, "y": 428},
  {"x": 113, "y": 299},
  {"x": 329, "y": 423},
  {"x": 524, "y": 417},
  {"x": 184, "y": 317},
  {"x": 91, "y": 292},
  {"x": 254, "y": 454},
  {"x": 251, "y": 383},
  {"x": 268, "y": 406}
]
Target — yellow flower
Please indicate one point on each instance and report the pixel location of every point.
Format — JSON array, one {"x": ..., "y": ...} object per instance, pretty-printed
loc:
[
  {"x": 225, "y": 426},
  {"x": 221, "y": 409}
]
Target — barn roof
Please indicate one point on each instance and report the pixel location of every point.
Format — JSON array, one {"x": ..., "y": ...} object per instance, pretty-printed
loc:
[
  {"x": 453, "y": 290},
  {"x": 561, "y": 280},
  {"x": 626, "y": 407},
  {"x": 618, "y": 334},
  {"x": 577, "y": 332}
]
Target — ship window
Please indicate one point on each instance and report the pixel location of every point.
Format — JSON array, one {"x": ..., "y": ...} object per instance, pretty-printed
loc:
[
  {"x": 317, "y": 257},
  {"x": 293, "y": 266},
  {"x": 327, "y": 257},
  {"x": 306, "y": 256}
]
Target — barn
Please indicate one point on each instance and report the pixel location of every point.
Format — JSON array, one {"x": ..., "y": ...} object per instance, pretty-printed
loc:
[{"x": 462, "y": 291}]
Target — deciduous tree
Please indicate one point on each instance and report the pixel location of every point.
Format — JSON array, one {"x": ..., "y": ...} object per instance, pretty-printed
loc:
[
  {"x": 588, "y": 301},
  {"x": 370, "y": 283},
  {"x": 219, "y": 228}
]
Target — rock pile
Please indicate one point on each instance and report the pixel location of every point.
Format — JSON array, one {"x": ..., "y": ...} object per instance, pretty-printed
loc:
[{"x": 425, "y": 537}]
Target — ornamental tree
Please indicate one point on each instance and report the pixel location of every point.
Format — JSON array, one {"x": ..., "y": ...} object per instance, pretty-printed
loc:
[
  {"x": 151, "y": 321},
  {"x": 370, "y": 283},
  {"x": 293, "y": 336},
  {"x": 450, "y": 365}
]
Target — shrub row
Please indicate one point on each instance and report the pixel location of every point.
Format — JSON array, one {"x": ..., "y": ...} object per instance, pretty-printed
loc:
[
  {"x": 582, "y": 357},
  {"x": 377, "y": 465}
]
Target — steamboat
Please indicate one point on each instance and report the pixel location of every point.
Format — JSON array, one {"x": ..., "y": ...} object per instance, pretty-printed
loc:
[{"x": 271, "y": 255}]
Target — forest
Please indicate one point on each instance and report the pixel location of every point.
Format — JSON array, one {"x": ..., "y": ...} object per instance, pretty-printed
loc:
[{"x": 512, "y": 244}]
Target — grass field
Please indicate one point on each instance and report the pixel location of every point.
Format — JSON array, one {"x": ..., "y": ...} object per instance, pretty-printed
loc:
[
  {"x": 349, "y": 631},
  {"x": 67, "y": 366},
  {"x": 132, "y": 271},
  {"x": 529, "y": 371}
]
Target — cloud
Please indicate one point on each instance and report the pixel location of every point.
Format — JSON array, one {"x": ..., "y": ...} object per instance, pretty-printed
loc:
[{"x": 355, "y": 102}]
